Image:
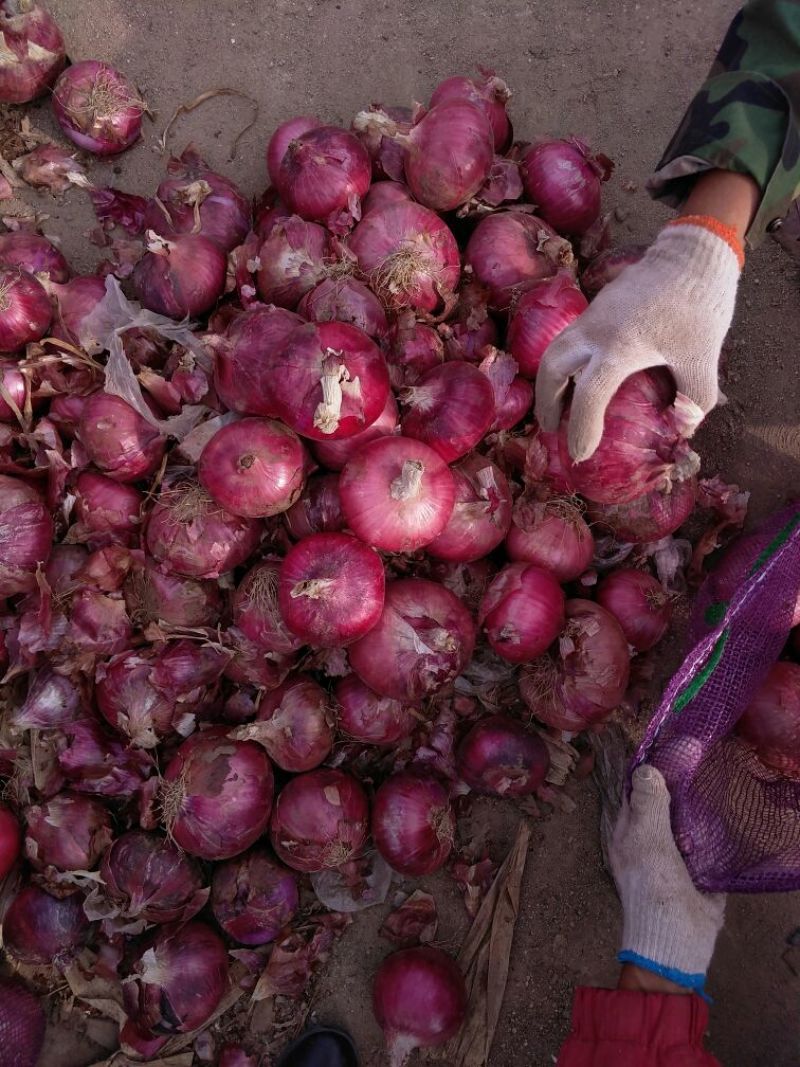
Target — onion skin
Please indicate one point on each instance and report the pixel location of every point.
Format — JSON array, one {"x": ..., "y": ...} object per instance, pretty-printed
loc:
[
  {"x": 335, "y": 454},
  {"x": 345, "y": 300},
  {"x": 281, "y": 139},
  {"x": 413, "y": 824},
  {"x": 13, "y": 382},
  {"x": 331, "y": 589},
  {"x": 97, "y": 108},
  {"x": 152, "y": 596},
  {"x": 148, "y": 877},
  {"x": 35, "y": 254},
  {"x": 481, "y": 515},
  {"x": 43, "y": 931},
  {"x": 253, "y": 897},
  {"x": 771, "y": 722},
  {"x": 640, "y": 605},
  {"x": 118, "y": 440},
  {"x": 292, "y": 725},
  {"x": 563, "y": 180},
  {"x": 501, "y": 758},
  {"x": 489, "y": 93},
  {"x": 10, "y": 841},
  {"x": 397, "y": 494},
  {"x": 323, "y": 174},
  {"x": 253, "y": 468},
  {"x": 292, "y": 261},
  {"x": 419, "y": 999},
  {"x": 522, "y": 612},
  {"x": 67, "y": 832},
  {"x": 75, "y": 300},
  {"x": 648, "y": 517},
  {"x": 108, "y": 511},
  {"x": 243, "y": 361},
  {"x": 321, "y": 820},
  {"x": 26, "y": 535},
  {"x": 180, "y": 277},
  {"x": 450, "y": 153},
  {"x": 25, "y": 309},
  {"x": 218, "y": 795},
  {"x": 415, "y": 611},
  {"x": 541, "y": 314},
  {"x": 552, "y": 534},
  {"x": 450, "y": 408},
  {"x": 22, "y": 1024},
  {"x": 364, "y": 715},
  {"x": 22, "y": 77}
]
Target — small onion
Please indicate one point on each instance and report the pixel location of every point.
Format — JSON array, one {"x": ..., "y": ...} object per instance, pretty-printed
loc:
[
  {"x": 118, "y": 440},
  {"x": 540, "y": 316},
  {"x": 366, "y": 716},
  {"x": 335, "y": 454},
  {"x": 97, "y": 108},
  {"x": 648, "y": 517},
  {"x": 253, "y": 897},
  {"x": 423, "y": 640},
  {"x": 180, "y": 277},
  {"x": 217, "y": 795},
  {"x": 331, "y": 589},
  {"x": 292, "y": 261},
  {"x": 414, "y": 350},
  {"x": 522, "y": 612},
  {"x": 516, "y": 404},
  {"x": 450, "y": 153},
  {"x": 10, "y": 841},
  {"x": 345, "y": 299},
  {"x": 253, "y": 468},
  {"x": 563, "y": 179},
  {"x": 33, "y": 253},
  {"x": 771, "y": 722},
  {"x": 450, "y": 408},
  {"x": 32, "y": 54},
  {"x": 481, "y": 515},
  {"x": 489, "y": 93},
  {"x": 281, "y": 139},
  {"x": 413, "y": 824},
  {"x": 608, "y": 265},
  {"x": 153, "y": 596},
  {"x": 148, "y": 877},
  {"x": 292, "y": 725},
  {"x": 640, "y": 605},
  {"x": 26, "y": 535},
  {"x": 42, "y": 931},
  {"x": 318, "y": 509},
  {"x": 243, "y": 360},
  {"x": 67, "y": 832},
  {"x": 25, "y": 309},
  {"x": 108, "y": 511},
  {"x": 323, "y": 174},
  {"x": 321, "y": 820},
  {"x": 552, "y": 534},
  {"x": 499, "y": 757},
  {"x": 397, "y": 494},
  {"x": 256, "y": 612}
]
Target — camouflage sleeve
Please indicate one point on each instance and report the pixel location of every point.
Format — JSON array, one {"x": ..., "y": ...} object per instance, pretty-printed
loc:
[{"x": 746, "y": 117}]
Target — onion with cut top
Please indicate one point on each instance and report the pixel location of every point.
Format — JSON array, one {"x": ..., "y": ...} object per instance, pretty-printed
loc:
[
  {"x": 397, "y": 494},
  {"x": 32, "y": 54},
  {"x": 243, "y": 359},
  {"x": 366, "y": 716},
  {"x": 180, "y": 276},
  {"x": 345, "y": 299},
  {"x": 563, "y": 179},
  {"x": 522, "y": 612},
  {"x": 321, "y": 820},
  {"x": 552, "y": 534},
  {"x": 293, "y": 725},
  {"x": 25, "y": 309},
  {"x": 118, "y": 440},
  {"x": 42, "y": 931},
  {"x": 146, "y": 876},
  {"x": 413, "y": 824},
  {"x": 291, "y": 261},
  {"x": 481, "y": 515},
  {"x": 26, "y": 535},
  {"x": 335, "y": 454},
  {"x": 450, "y": 408},
  {"x": 281, "y": 139},
  {"x": 35, "y": 254},
  {"x": 489, "y": 93},
  {"x": 253, "y": 898},
  {"x": 68, "y": 832},
  {"x": 541, "y": 314},
  {"x": 97, "y": 108},
  {"x": 500, "y": 757},
  {"x": 424, "y": 639},
  {"x": 322, "y": 176},
  {"x": 449, "y": 154},
  {"x": 771, "y": 721},
  {"x": 639, "y": 603}
]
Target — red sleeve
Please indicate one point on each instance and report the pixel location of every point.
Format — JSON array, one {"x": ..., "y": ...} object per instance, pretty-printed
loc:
[{"x": 623, "y": 1028}]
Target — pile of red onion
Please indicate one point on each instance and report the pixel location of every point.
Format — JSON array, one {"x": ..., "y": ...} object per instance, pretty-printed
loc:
[{"x": 280, "y": 541}]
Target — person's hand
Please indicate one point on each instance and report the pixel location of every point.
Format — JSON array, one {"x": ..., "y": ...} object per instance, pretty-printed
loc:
[
  {"x": 670, "y": 927},
  {"x": 671, "y": 309}
]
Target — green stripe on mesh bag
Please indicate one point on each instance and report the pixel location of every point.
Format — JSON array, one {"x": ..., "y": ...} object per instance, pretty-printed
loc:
[
  {"x": 780, "y": 539},
  {"x": 693, "y": 688}
]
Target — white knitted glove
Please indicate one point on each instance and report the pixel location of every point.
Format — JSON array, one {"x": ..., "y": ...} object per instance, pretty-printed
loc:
[
  {"x": 671, "y": 309},
  {"x": 670, "y": 927}
]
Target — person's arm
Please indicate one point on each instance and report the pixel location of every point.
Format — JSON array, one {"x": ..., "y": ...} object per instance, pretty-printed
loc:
[{"x": 730, "y": 198}]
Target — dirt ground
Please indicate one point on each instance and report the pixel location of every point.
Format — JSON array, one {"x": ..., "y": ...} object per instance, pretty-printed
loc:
[{"x": 619, "y": 73}]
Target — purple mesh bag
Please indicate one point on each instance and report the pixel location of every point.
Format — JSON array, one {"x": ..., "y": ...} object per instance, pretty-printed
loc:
[{"x": 736, "y": 822}]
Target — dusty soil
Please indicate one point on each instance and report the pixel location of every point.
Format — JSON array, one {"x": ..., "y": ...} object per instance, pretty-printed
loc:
[{"x": 619, "y": 73}]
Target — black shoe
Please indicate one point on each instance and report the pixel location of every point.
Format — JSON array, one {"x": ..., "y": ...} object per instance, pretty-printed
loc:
[{"x": 321, "y": 1046}]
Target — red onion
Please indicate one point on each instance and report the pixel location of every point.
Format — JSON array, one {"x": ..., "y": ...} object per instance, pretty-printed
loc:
[
  {"x": 319, "y": 508},
  {"x": 542, "y": 313},
  {"x": 153, "y": 596},
  {"x": 397, "y": 494},
  {"x": 148, "y": 877},
  {"x": 467, "y": 581},
  {"x": 450, "y": 153},
  {"x": 109, "y": 512},
  {"x": 585, "y": 678},
  {"x": 640, "y": 605},
  {"x": 321, "y": 820},
  {"x": 450, "y": 408},
  {"x": 254, "y": 665},
  {"x": 25, "y": 309},
  {"x": 191, "y": 535},
  {"x": 771, "y": 722},
  {"x": 409, "y": 256},
  {"x": 643, "y": 446},
  {"x": 331, "y": 589},
  {"x": 197, "y": 200},
  {"x": 256, "y": 613},
  {"x": 481, "y": 515},
  {"x": 413, "y": 824},
  {"x": 97, "y": 764},
  {"x": 40, "y": 930},
  {"x": 63, "y": 567},
  {"x": 97, "y": 108},
  {"x": 68, "y": 832},
  {"x": 118, "y": 439},
  {"x": 33, "y": 253},
  {"x": 522, "y": 612},
  {"x": 217, "y": 795},
  {"x": 384, "y": 132},
  {"x": 75, "y": 300},
  {"x": 552, "y": 534},
  {"x": 424, "y": 639},
  {"x": 10, "y": 841},
  {"x": 419, "y": 999},
  {"x": 98, "y": 624},
  {"x": 499, "y": 757},
  {"x": 253, "y": 468},
  {"x": 176, "y": 979},
  {"x": 608, "y": 265},
  {"x": 292, "y": 725},
  {"x": 472, "y": 328},
  {"x": 181, "y": 277},
  {"x": 253, "y": 897},
  {"x": 281, "y": 139},
  {"x": 345, "y": 299},
  {"x": 489, "y": 93},
  {"x": 335, "y": 454},
  {"x": 13, "y": 384},
  {"x": 368, "y": 717},
  {"x": 382, "y": 194},
  {"x": 414, "y": 350},
  {"x": 243, "y": 360},
  {"x": 563, "y": 179},
  {"x": 22, "y": 1023},
  {"x": 32, "y": 53},
  {"x": 330, "y": 381},
  {"x": 516, "y": 404},
  {"x": 648, "y": 517},
  {"x": 322, "y": 176},
  {"x": 291, "y": 261},
  {"x": 509, "y": 252},
  {"x": 26, "y": 535}
]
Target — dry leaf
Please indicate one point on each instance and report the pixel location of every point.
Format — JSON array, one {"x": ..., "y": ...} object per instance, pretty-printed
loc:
[
  {"x": 414, "y": 922},
  {"x": 102, "y": 994}
]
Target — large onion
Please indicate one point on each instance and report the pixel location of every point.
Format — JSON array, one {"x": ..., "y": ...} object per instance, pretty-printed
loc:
[
  {"x": 489, "y": 93},
  {"x": 146, "y": 876},
  {"x": 522, "y": 612},
  {"x": 552, "y": 534},
  {"x": 67, "y": 833},
  {"x": 323, "y": 174},
  {"x": 26, "y": 535},
  {"x": 366, "y": 716},
  {"x": 291, "y": 261},
  {"x": 293, "y": 725},
  {"x": 32, "y": 55},
  {"x": 25, "y": 309},
  {"x": 118, "y": 439},
  {"x": 243, "y": 358},
  {"x": 541, "y": 314},
  {"x": 640, "y": 605},
  {"x": 771, "y": 722},
  {"x": 450, "y": 408},
  {"x": 499, "y": 757},
  {"x": 563, "y": 179},
  {"x": 43, "y": 931},
  {"x": 481, "y": 515},
  {"x": 253, "y": 897},
  {"x": 423, "y": 640},
  {"x": 413, "y": 824},
  {"x": 450, "y": 153},
  {"x": 97, "y": 108},
  {"x": 181, "y": 276}
]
